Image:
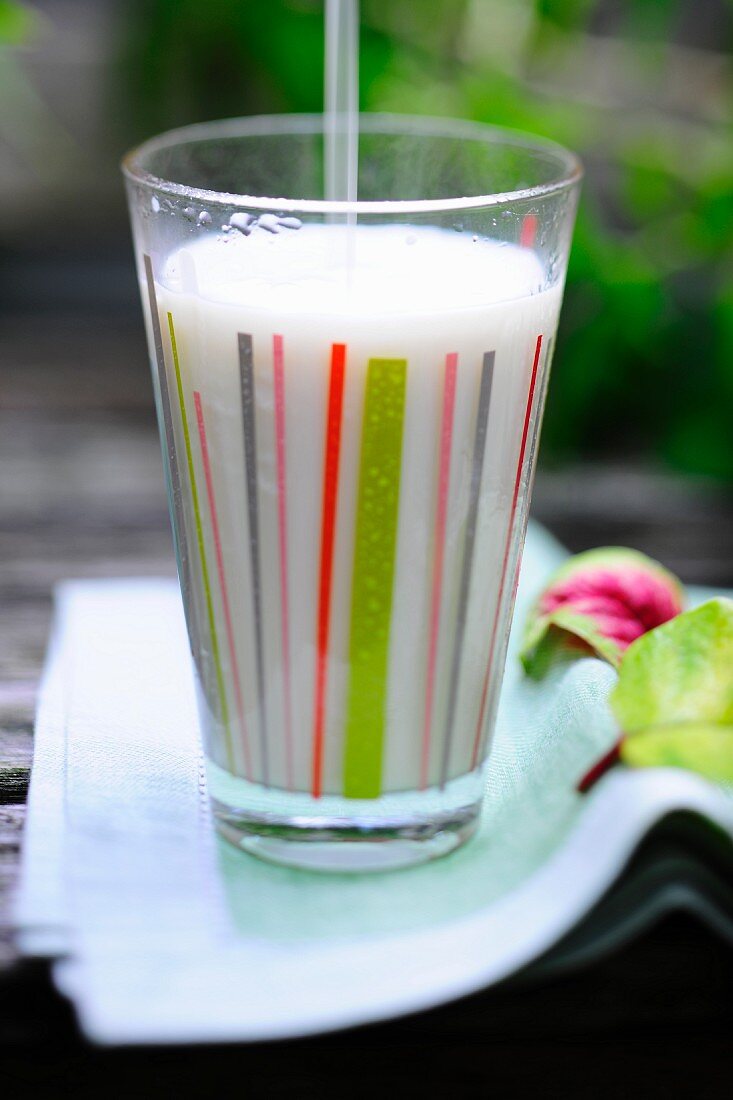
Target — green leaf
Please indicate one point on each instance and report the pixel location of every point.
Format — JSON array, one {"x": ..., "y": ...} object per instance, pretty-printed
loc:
[
  {"x": 701, "y": 747},
  {"x": 18, "y": 24},
  {"x": 680, "y": 672}
]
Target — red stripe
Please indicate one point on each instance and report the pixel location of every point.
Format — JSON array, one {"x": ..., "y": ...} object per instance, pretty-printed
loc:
[
  {"x": 500, "y": 597},
  {"x": 328, "y": 531},
  {"x": 279, "y": 379},
  {"x": 446, "y": 436},
  {"x": 222, "y": 577},
  {"x": 528, "y": 231}
]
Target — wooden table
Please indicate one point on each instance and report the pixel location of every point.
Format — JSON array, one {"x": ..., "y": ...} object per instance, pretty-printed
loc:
[{"x": 81, "y": 494}]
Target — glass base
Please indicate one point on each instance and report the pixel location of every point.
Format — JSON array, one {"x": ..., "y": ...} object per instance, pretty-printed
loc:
[{"x": 345, "y": 835}]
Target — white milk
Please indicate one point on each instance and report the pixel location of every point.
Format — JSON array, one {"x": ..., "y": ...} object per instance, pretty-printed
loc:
[{"x": 439, "y": 301}]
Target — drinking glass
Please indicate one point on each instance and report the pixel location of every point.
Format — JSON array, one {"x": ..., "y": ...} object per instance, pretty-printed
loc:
[{"x": 349, "y": 398}]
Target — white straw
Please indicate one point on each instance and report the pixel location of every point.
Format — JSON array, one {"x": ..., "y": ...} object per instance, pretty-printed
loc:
[{"x": 341, "y": 99}]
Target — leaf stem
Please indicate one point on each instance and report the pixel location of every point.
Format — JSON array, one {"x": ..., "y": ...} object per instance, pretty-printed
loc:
[{"x": 599, "y": 769}]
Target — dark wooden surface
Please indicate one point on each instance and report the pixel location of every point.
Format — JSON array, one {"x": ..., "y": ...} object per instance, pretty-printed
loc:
[{"x": 81, "y": 494}]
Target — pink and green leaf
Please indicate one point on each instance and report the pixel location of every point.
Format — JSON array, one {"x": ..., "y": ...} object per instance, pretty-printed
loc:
[{"x": 599, "y": 602}]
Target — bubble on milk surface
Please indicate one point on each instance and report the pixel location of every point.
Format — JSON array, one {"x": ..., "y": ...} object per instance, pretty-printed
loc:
[
  {"x": 155, "y": 205},
  {"x": 269, "y": 222},
  {"x": 245, "y": 223},
  {"x": 241, "y": 221}
]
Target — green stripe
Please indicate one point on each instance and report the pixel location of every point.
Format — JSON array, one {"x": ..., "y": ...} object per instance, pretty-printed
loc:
[
  {"x": 202, "y": 550},
  {"x": 374, "y": 558}
]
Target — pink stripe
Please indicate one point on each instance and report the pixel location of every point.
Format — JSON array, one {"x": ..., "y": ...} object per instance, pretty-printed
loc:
[
  {"x": 446, "y": 437},
  {"x": 500, "y": 596},
  {"x": 282, "y": 515},
  {"x": 222, "y": 578}
]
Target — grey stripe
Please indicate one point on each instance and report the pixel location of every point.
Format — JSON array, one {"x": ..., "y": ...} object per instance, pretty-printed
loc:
[
  {"x": 179, "y": 527},
  {"x": 529, "y": 466},
  {"x": 477, "y": 465},
  {"x": 246, "y": 373}
]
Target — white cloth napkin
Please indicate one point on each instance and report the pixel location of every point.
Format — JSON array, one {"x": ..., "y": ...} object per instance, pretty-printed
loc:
[{"x": 168, "y": 935}]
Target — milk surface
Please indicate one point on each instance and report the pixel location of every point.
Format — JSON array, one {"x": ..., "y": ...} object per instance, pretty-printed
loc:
[{"x": 312, "y": 680}]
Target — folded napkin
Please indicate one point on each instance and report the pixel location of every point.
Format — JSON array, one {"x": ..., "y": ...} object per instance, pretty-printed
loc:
[{"x": 161, "y": 932}]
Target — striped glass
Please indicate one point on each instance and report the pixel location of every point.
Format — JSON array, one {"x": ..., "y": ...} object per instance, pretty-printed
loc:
[{"x": 349, "y": 398}]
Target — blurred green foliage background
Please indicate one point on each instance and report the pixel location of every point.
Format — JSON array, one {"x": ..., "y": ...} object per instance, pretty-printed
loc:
[{"x": 642, "y": 89}]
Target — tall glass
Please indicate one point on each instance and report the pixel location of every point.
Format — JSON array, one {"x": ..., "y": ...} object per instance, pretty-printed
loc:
[{"x": 349, "y": 397}]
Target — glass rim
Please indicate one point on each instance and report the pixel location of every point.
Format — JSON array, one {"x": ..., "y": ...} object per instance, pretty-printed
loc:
[{"x": 570, "y": 174}]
